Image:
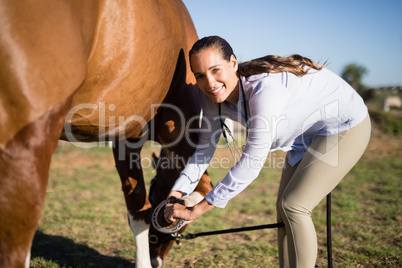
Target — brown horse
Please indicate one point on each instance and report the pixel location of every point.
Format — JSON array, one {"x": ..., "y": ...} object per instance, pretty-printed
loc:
[{"x": 108, "y": 66}]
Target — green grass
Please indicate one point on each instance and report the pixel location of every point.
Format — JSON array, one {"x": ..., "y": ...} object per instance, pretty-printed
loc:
[{"x": 84, "y": 222}]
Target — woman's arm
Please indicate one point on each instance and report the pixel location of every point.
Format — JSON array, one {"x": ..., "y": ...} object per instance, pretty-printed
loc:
[
  {"x": 266, "y": 103},
  {"x": 207, "y": 141},
  {"x": 198, "y": 163}
]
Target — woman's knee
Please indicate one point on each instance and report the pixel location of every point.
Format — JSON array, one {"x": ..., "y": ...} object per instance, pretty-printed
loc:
[
  {"x": 279, "y": 209},
  {"x": 292, "y": 209}
]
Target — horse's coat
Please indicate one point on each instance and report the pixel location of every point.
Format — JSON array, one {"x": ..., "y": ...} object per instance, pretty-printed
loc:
[{"x": 108, "y": 66}]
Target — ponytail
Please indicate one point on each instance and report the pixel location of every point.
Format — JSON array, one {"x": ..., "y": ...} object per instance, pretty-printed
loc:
[{"x": 295, "y": 64}]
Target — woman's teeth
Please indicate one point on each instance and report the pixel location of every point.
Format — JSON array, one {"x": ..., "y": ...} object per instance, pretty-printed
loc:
[{"x": 216, "y": 90}]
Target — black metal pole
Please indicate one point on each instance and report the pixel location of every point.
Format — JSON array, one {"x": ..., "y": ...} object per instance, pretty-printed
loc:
[{"x": 329, "y": 233}]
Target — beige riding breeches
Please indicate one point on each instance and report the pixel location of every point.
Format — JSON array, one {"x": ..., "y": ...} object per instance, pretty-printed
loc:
[{"x": 303, "y": 186}]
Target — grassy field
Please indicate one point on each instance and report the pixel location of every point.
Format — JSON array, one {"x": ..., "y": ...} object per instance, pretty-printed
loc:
[{"x": 84, "y": 223}]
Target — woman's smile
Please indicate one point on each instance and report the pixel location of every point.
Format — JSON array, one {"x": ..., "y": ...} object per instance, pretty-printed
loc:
[
  {"x": 216, "y": 77},
  {"x": 217, "y": 91}
]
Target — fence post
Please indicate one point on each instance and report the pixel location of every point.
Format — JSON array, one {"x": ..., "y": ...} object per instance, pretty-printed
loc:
[{"x": 329, "y": 233}]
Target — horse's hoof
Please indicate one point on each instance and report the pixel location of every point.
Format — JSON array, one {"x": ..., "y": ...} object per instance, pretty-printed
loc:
[{"x": 157, "y": 262}]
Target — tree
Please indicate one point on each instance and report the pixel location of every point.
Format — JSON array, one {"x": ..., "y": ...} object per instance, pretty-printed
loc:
[{"x": 353, "y": 74}]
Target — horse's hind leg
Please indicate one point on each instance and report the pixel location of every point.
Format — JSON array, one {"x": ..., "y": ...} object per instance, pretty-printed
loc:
[
  {"x": 24, "y": 171},
  {"x": 128, "y": 165}
]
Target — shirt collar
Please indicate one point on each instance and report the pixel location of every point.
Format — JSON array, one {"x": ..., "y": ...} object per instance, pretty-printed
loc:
[{"x": 243, "y": 80}]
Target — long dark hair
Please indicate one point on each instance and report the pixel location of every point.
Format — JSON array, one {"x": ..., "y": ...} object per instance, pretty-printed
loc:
[{"x": 295, "y": 64}]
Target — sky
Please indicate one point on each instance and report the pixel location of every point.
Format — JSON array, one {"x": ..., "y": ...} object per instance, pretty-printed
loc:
[{"x": 340, "y": 32}]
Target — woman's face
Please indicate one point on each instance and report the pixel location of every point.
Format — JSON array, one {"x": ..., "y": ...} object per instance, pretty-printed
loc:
[{"x": 215, "y": 76}]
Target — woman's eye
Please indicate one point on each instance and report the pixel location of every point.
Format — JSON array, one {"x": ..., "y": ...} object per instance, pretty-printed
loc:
[
  {"x": 215, "y": 70},
  {"x": 199, "y": 76}
]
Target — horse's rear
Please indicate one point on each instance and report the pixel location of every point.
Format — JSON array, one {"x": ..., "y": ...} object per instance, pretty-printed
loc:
[
  {"x": 57, "y": 55},
  {"x": 43, "y": 54}
]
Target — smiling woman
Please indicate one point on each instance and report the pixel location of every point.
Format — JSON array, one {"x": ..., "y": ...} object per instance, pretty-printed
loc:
[
  {"x": 215, "y": 76},
  {"x": 295, "y": 105}
]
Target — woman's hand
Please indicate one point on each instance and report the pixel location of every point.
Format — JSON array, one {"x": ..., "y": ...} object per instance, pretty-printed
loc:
[
  {"x": 176, "y": 194},
  {"x": 177, "y": 211}
]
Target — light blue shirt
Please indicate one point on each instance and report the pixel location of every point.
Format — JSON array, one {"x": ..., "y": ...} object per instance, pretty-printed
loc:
[{"x": 285, "y": 113}]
